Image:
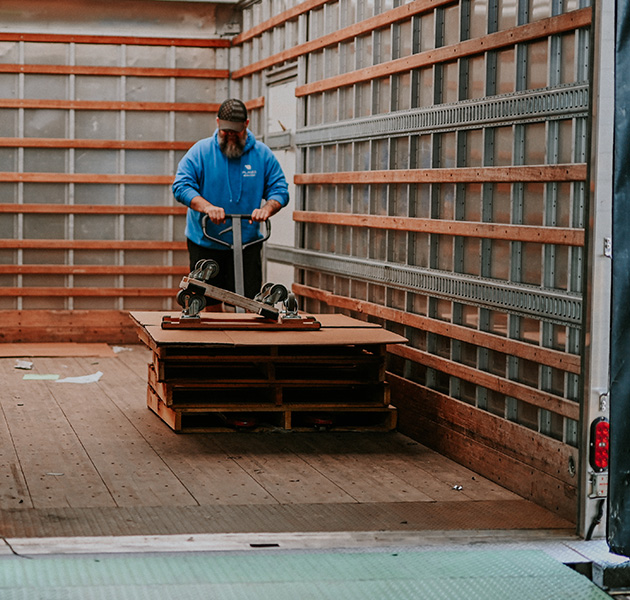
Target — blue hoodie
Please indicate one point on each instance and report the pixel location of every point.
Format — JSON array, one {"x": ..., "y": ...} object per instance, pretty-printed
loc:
[{"x": 238, "y": 185}]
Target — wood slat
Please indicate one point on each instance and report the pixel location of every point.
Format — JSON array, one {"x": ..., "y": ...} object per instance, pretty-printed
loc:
[
  {"x": 132, "y": 471},
  {"x": 279, "y": 19},
  {"x": 38, "y": 69},
  {"x": 91, "y": 209},
  {"x": 545, "y": 356},
  {"x": 413, "y": 461},
  {"x": 520, "y": 391},
  {"x": 522, "y": 233},
  {"x": 494, "y": 41},
  {"x": 114, "y": 39},
  {"x": 85, "y": 326},
  {"x": 374, "y": 23},
  {"x": 340, "y": 463},
  {"x": 14, "y": 490},
  {"x": 16, "y": 142},
  {"x": 213, "y": 477},
  {"x": 525, "y": 445},
  {"x": 516, "y": 174},
  {"x": 153, "y": 270},
  {"x": 203, "y": 107},
  {"x": 51, "y": 244},
  {"x": 76, "y": 292},
  {"x": 52, "y": 462},
  {"x": 116, "y": 179},
  {"x": 516, "y": 475},
  {"x": 31, "y": 103}
]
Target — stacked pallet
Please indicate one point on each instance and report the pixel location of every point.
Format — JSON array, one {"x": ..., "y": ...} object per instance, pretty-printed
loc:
[{"x": 215, "y": 380}]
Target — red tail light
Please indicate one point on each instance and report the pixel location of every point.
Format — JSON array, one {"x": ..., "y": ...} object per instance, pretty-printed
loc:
[{"x": 600, "y": 444}]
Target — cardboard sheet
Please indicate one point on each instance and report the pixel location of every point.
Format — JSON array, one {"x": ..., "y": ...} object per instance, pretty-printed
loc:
[
  {"x": 327, "y": 320},
  {"x": 336, "y": 330}
]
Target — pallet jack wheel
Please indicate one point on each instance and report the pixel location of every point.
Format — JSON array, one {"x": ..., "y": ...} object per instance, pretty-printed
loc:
[
  {"x": 291, "y": 304},
  {"x": 277, "y": 293},
  {"x": 193, "y": 303},
  {"x": 263, "y": 292},
  {"x": 280, "y": 291},
  {"x": 196, "y": 304},
  {"x": 183, "y": 297}
]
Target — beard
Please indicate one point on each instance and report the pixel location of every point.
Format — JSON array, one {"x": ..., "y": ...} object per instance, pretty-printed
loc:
[{"x": 231, "y": 145}]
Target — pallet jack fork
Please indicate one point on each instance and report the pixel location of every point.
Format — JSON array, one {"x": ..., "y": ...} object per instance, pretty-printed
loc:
[{"x": 196, "y": 287}]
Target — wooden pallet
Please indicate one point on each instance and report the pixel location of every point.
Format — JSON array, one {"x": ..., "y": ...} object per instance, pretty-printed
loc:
[
  {"x": 225, "y": 391},
  {"x": 306, "y": 417},
  {"x": 335, "y": 376}
]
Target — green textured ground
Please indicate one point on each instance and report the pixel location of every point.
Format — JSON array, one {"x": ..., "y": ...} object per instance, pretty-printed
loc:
[{"x": 280, "y": 575}]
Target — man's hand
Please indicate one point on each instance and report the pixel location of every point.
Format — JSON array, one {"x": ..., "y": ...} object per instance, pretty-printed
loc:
[
  {"x": 215, "y": 213},
  {"x": 271, "y": 207}
]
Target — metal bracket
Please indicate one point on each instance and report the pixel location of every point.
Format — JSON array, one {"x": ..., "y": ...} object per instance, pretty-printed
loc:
[
  {"x": 608, "y": 247},
  {"x": 599, "y": 485}
]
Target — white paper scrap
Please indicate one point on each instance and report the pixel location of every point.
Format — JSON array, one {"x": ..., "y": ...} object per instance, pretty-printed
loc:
[
  {"x": 23, "y": 364},
  {"x": 93, "y": 378}
]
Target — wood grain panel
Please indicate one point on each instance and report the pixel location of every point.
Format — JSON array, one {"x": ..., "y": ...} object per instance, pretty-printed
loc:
[
  {"x": 15, "y": 142},
  {"x": 279, "y": 19},
  {"x": 52, "y": 244},
  {"x": 376, "y": 22},
  {"x": 518, "y": 475},
  {"x": 30, "y": 103},
  {"x": 91, "y": 209},
  {"x": 525, "y": 393},
  {"x": 100, "y": 178},
  {"x": 77, "y": 292},
  {"x": 517, "y": 174},
  {"x": 522, "y": 233},
  {"x": 494, "y": 41},
  {"x": 544, "y": 356},
  {"x": 36, "y": 325},
  {"x": 54, "y": 468},
  {"x": 114, "y": 71},
  {"x": 50, "y": 269},
  {"x": 525, "y": 445},
  {"x": 200, "y": 107},
  {"x": 113, "y": 39}
]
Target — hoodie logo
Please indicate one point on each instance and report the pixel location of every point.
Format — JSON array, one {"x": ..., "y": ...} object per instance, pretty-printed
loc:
[{"x": 248, "y": 171}]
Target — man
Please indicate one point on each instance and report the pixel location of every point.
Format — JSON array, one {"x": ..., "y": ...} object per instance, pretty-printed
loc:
[{"x": 230, "y": 172}]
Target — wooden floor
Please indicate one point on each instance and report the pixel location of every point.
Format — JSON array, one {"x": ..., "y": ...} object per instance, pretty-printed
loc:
[{"x": 92, "y": 459}]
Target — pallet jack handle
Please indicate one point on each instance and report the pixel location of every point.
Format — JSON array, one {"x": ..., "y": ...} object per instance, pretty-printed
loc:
[{"x": 237, "y": 245}]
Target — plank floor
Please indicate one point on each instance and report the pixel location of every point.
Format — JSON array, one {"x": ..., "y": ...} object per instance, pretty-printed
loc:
[{"x": 92, "y": 459}]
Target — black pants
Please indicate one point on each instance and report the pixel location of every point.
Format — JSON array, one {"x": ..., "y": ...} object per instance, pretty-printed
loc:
[{"x": 252, "y": 268}]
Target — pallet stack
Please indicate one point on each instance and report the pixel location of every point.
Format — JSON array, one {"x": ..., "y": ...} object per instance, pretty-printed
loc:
[{"x": 216, "y": 380}]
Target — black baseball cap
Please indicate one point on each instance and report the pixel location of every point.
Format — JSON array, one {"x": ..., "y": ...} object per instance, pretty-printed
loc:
[{"x": 232, "y": 115}]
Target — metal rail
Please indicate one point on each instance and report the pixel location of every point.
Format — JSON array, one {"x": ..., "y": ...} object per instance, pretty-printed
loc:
[
  {"x": 556, "y": 306},
  {"x": 561, "y": 102}
]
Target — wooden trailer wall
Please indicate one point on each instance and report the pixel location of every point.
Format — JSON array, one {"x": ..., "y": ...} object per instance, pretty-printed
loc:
[
  {"x": 442, "y": 169},
  {"x": 91, "y": 130},
  {"x": 441, "y": 191}
]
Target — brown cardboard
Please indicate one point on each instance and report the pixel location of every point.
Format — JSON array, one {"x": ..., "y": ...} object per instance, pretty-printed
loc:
[
  {"x": 335, "y": 330},
  {"x": 327, "y": 320}
]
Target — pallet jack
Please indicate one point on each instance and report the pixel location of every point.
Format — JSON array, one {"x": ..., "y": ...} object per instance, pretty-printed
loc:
[{"x": 195, "y": 287}]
